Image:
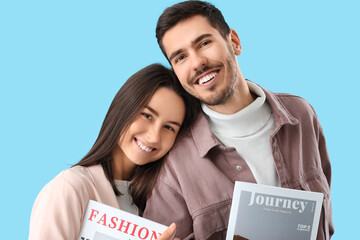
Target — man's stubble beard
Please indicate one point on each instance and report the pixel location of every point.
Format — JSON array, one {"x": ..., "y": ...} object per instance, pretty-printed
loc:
[{"x": 221, "y": 96}]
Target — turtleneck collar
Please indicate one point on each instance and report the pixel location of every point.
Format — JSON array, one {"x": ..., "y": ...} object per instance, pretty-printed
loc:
[{"x": 243, "y": 123}]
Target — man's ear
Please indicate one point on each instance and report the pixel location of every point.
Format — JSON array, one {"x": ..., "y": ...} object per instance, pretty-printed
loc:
[{"x": 235, "y": 41}]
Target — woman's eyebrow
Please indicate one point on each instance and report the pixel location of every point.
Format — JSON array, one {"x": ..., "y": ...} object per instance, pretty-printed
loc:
[
  {"x": 157, "y": 114},
  {"x": 152, "y": 110}
]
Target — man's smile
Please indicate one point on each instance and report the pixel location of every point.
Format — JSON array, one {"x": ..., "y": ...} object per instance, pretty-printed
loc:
[{"x": 207, "y": 77}]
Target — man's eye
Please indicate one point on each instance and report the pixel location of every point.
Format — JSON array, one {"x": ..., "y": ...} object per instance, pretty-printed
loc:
[
  {"x": 180, "y": 58},
  {"x": 203, "y": 44},
  {"x": 146, "y": 115}
]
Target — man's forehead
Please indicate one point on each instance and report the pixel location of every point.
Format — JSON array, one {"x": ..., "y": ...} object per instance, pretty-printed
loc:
[
  {"x": 194, "y": 23},
  {"x": 185, "y": 33}
]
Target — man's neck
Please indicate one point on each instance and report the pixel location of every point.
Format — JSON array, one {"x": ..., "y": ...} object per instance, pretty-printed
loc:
[
  {"x": 245, "y": 122},
  {"x": 240, "y": 99}
]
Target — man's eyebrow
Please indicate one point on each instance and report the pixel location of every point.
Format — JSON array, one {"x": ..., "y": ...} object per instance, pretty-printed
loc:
[
  {"x": 157, "y": 114},
  {"x": 201, "y": 37},
  {"x": 198, "y": 39},
  {"x": 174, "y": 54}
]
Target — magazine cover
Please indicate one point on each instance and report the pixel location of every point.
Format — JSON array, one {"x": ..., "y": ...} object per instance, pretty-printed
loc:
[
  {"x": 266, "y": 212},
  {"x": 102, "y": 222}
]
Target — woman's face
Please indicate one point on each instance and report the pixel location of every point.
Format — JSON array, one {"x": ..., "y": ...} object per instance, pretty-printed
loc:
[{"x": 151, "y": 135}]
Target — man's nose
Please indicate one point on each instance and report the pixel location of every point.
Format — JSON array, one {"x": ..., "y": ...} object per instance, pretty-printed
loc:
[{"x": 198, "y": 61}]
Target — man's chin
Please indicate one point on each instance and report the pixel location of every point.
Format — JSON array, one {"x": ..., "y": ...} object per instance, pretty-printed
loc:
[{"x": 216, "y": 99}]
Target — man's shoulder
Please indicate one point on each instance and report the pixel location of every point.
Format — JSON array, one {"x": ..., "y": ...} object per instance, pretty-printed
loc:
[
  {"x": 287, "y": 97},
  {"x": 184, "y": 146},
  {"x": 185, "y": 137},
  {"x": 295, "y": 105},
  {"x": 184, "y": 154}
]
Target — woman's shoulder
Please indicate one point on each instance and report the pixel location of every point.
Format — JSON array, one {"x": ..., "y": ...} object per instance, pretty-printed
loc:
[
  {"x": 78, "y": 177},
  {"x": 76, "y": 181},
  {"x": 63, "y": 200},
  {"x": 74, "y": 174}
]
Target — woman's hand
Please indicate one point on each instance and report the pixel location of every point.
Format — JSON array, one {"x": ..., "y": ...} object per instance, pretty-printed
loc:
[{"x": 168, "y": 233}]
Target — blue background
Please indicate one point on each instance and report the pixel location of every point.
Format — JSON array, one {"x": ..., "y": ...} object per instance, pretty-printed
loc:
[{"x": 62, "y": 62}]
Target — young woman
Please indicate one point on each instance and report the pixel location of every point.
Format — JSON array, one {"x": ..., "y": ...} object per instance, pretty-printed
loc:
[{"x": 139, "y": 129}]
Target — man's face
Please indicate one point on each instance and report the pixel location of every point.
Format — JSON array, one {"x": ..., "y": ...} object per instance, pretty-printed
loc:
[{"x": 203, "y": 60}]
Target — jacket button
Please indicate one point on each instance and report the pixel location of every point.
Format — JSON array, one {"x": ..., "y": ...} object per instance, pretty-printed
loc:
[{"x": 238, "y": 167}]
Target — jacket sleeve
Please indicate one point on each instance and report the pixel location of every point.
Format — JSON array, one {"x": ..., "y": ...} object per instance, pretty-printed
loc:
[
  {"x": 325, "y": 160},
  {"x": 57, "y": 212},
  {"x": 166, "y": 206},
  {"x": 326, "y": 166},
  {"x": 326, "y": 225}
]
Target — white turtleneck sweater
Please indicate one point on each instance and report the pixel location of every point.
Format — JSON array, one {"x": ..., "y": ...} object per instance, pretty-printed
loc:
[
  {"x": 125, "y": 199},
  {"x": 248, "y": 131}
]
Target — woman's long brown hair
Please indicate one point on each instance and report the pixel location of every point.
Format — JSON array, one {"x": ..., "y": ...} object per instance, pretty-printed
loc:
[{"x": 125, "y": 107}]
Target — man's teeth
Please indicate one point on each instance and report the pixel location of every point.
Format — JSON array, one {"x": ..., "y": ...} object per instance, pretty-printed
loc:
[
  {"x": 143, "y": 147},
  {"x": 207, "y": 78}
]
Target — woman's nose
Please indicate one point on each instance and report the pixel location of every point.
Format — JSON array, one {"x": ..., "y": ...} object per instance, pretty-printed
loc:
[{"x": 154, "y": 134}]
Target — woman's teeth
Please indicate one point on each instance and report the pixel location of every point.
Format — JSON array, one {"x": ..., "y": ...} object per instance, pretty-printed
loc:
[{"x": 143, "y": 147}]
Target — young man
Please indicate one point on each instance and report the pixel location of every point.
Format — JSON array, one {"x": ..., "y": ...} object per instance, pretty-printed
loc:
[{"x": 244, "y": 133}]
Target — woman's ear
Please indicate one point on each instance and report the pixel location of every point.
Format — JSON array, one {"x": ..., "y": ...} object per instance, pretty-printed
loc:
[{"x": 235, "y": 42}]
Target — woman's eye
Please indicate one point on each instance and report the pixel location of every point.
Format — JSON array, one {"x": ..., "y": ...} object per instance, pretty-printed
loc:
[
  {"x": 146, "y": 115},
  {"x": 170, "y": 128}
]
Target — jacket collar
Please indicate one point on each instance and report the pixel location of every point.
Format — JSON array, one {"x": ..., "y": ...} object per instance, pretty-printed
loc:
[
  {"x": 205, "y": 140},
  {"x": 202, "y": 135},
  {"x": 280, "y": 113},
  {"x": 103, "y": 186}
]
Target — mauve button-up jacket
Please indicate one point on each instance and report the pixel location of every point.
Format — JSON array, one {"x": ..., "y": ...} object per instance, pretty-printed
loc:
[{"x": 196, "y": 184}]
